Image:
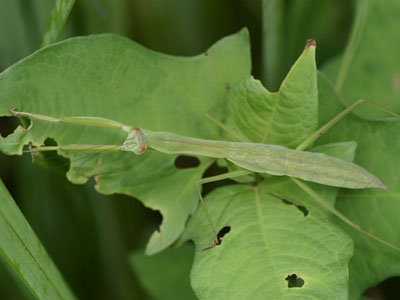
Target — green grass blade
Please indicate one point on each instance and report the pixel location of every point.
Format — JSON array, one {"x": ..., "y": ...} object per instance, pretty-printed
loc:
[
  {"x": 58, "y": 17},
  {"x": 272, "y": 16},
  {"x": 27, "y": 256},
  {"x": 352, "y": 46}
]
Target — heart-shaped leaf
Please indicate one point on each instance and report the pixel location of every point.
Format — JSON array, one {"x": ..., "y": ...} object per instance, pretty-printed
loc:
[{"x": 273, "y": 250}]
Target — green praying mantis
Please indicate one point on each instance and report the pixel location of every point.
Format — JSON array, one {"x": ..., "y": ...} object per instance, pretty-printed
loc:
[{"x": 249, "y": 157}]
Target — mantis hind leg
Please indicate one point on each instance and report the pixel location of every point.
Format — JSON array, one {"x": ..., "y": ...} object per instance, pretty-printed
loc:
[
  {"x": 202, "y": 181},
  {"x": 312, "y": 138}
]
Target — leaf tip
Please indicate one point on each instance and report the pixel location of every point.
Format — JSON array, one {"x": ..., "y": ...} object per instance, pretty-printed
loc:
[{"x": 310, "y": 42}]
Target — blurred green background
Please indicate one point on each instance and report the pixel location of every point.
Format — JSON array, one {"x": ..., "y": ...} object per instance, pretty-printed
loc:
[{"x": 88, "y": 235}]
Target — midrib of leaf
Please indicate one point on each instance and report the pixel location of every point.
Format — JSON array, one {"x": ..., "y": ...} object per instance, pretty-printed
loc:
[
  {"x": 267, "y": 129},
  {"x": 264, "y": 233}
]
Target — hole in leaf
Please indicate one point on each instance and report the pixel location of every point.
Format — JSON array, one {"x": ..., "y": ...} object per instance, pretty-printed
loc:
[
  {"x": 50, "y": 160},
  {"x": 222, "y": 233},
  {"x": 294, "y": 281},
  {"x": 186, "y": 162},
  {"x": 214, "y": 170},
  {"x": 25, "y": 121},
  {"x": 7, "y": 126},
  {"x": 301, "y": 208},
  {"x": 156, "y": 219}
]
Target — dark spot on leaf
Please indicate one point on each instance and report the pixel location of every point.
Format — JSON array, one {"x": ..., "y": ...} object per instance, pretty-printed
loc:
[
  {"x": 186, "y": 162},
  {"x": 294, "y": 281},
  {"x": 301, "y": 208},
  {"x": 205, "y": 53},
  {"x": 7, "y": 126},
  {"x": 227, "y": 86}
]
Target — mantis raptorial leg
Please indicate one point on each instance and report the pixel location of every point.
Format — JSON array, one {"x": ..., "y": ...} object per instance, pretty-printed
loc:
[{"x": 253, "y": 157}]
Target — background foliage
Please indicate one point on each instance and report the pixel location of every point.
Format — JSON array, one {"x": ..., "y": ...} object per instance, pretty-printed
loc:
[{"x": 90, "y": 236}]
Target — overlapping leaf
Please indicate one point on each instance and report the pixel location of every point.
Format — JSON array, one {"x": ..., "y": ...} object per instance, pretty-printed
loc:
[
  {"x": 269, "y": 241},
  {"x": 112, "y": 77},
  {"x": 286, "y": 117}
]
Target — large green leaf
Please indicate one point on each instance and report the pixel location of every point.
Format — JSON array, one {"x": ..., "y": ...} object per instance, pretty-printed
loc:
[
  {"x": 110, "y": 76},
  {"x": 27, "y": 256},
  {"x": 284, "y": 118},
  {"x": 269, "y": 242},
  {"x": 370, "y": 67},
  {"x": 376, "y": 211}
]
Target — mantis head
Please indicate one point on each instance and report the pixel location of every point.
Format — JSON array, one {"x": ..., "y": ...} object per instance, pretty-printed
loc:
[{"x": 136, "y": 141}]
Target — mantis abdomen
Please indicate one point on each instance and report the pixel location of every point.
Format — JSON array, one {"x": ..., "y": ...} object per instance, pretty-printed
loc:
[
  {"x": 310, "y": 166},
  {"x": 271, "y": 159}
]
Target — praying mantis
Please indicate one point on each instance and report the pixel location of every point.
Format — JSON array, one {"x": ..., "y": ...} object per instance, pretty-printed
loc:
[{"x": 249, "y": 157}]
